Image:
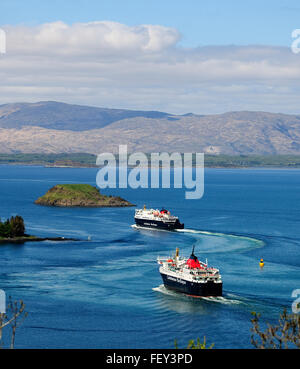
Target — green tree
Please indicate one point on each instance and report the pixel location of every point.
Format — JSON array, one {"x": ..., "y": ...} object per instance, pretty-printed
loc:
[
  {"x": 13, "y": 227},
  {"x": 17, "y": 226},
  {"x": 5, "y": 229}
]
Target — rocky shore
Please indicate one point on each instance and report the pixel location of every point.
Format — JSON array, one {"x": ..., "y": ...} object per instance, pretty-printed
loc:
[{"x": 35, "y": 239}]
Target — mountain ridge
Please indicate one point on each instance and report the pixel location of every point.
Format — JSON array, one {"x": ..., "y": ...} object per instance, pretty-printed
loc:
[
  {"x": 55, "y": 127},
  {"x": 62, "y": 116}
]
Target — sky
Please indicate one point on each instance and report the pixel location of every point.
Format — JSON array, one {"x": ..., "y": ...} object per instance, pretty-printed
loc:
[
  {"x": 177, "y": 56},
  {"x": 201, "y": 22}
]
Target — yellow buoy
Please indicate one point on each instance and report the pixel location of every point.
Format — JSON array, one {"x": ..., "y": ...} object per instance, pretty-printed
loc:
[{"x": 261, "y": 263}]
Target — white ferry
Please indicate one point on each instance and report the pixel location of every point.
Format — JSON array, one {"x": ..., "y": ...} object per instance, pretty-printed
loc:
[
  {"x": 190, "y": 276},
  {"x": 159, "y": 219}
]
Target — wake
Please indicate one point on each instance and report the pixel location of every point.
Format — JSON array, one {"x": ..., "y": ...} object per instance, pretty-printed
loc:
[
  {"x": 218, "y": 234},
  {"x": 212, "y": 242},
  {"x": 226, "y": 300}
]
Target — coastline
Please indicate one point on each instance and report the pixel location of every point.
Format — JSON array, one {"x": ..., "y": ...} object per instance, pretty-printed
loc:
[
  {"x": 132, "y": 167},
  {"x": 35, "y": 239},
  {"x": 88, "y": 161}
]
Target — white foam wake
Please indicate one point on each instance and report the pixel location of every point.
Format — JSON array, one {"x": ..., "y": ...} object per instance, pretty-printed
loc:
[
  {"x": 148, "y": 228},
  {"x": 218, "y": 234},
  {"x": 218, "y": 299}
]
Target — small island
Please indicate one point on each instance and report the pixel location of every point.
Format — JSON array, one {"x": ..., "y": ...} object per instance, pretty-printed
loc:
[
  {"x": 13, "y": 231},
  {"x": 79, "y": 195}
]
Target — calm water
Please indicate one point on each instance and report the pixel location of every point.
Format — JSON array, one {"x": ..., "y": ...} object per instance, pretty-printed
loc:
[{"x": 107, "y": 293}]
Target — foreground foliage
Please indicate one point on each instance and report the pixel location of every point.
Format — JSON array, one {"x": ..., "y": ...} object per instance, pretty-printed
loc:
[
  {"x": 13, "y": 318},
  {"x": 284, "y": 335},
  {"x": 196, "y": 344}
]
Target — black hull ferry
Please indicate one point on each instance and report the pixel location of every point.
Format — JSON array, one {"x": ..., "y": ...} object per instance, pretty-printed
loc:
[
  {"x": 190, "y": 276},
  {"x": 157, "y": 219}
]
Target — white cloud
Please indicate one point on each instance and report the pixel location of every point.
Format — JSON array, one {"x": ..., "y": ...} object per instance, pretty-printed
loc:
[
  {"x": 142, "y": 67},
  {"x": 93, "y": 38}
]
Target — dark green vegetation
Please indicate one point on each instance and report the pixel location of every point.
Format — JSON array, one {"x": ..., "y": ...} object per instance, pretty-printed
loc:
[
  {"x": 13, "y": 231},
  {"x": 211, "y": 161},
  {"x": 245, "y": 161},
  {"x": 79, "y": 195},
  {"x": 49, "y": 159},
  {"x": 12, "y": 228}
]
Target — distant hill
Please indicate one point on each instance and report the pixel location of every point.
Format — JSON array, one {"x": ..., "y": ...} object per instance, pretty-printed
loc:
[
  {"x": 60, "y": 116},
  {"x": 53, "y": 127}
]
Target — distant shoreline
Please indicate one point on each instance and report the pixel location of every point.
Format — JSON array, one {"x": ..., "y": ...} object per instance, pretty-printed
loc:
[
  {"x": 35, "y": 239},
  {"x": 130, "y": 167},
  {"x": 84, "y": 160}
]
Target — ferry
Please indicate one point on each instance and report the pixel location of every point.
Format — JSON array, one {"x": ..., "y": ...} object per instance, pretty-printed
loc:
[
  {"x": 159, "y": 219},
  {"x": 190, "y": 276}
]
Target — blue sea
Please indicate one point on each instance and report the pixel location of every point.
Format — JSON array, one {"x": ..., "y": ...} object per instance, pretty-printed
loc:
[{"x": 105, "y": 290}]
